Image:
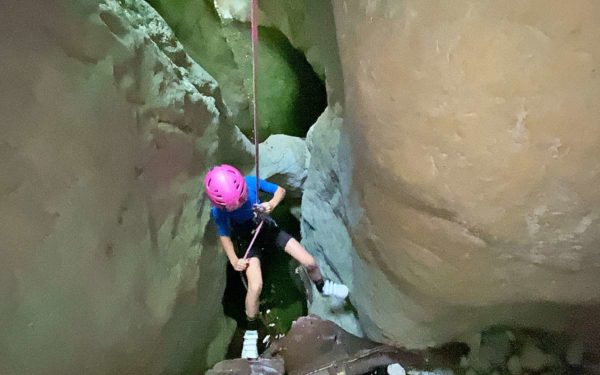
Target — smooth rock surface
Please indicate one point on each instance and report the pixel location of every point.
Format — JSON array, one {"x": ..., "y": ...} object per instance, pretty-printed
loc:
[
  {"x": 474, "y": 163},
  {"x": 284, "y": 161}
]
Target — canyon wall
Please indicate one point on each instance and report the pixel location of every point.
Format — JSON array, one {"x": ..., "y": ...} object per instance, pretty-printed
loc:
[
  {"x": 474, "y": 165},
  {"x": 108, "y": 265}
]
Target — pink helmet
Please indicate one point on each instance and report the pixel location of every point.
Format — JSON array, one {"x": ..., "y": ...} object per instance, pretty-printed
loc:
[{"x": 226, "y": 187}]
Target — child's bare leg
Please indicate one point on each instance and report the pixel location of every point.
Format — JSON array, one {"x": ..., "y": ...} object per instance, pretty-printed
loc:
[
  {"x": 326, "y": 287},
  {"x": 254, "y": 276},
  {"x": 298, "y": 252},
  {"x": 255, "y": 282}
]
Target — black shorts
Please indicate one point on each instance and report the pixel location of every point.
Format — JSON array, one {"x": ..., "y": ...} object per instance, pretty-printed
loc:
[{"x": 270, "y": 236}]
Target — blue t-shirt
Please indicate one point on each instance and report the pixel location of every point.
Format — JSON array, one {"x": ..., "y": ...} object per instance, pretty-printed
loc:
[{"x": 225, "y": 220}]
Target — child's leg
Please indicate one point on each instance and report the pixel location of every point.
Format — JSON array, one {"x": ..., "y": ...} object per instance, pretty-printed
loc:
[
  {"x": 254, "y": 276},
  {"x": 255, "y": 282},
  {"x": 298, "y": 252}
]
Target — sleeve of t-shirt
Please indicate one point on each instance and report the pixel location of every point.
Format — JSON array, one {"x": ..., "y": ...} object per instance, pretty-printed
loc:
[
  {"x": 221, "y": 222},
  {"x": 267, "y": 186}
]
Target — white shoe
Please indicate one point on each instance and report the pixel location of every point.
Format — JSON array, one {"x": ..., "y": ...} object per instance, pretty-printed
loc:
[
  {"x": 249, "y": 348},
  {"x": 395, "y": 369},
  {"x": 338, "y": 292}
]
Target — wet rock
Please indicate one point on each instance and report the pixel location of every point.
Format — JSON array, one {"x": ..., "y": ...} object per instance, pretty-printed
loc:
[
  {"x": 514, "y": 365},
  {"x": 495, "y": 348},
  {"x": 261, "y": 366},
  {"x": 314, "y": 344},
  {"x": 574, "y": 354},
  {"x": 433, "y": 372},
  {"x": 535, "y": 359}
]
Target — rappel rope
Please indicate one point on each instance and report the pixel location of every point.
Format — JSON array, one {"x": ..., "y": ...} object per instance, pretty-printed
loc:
[{"x": 254, "y": 34}]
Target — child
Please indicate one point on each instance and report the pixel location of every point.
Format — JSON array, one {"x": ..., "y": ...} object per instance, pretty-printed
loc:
[{"x": 235, "y": 201}]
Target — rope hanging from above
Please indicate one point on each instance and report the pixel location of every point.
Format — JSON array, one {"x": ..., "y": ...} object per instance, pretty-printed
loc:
[{"x": 254, "y": 33}]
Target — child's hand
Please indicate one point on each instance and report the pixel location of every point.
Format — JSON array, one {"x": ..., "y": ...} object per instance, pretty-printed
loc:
[
  {"x": 265, "y": 207},
  {"x": 241, "y": 265}
]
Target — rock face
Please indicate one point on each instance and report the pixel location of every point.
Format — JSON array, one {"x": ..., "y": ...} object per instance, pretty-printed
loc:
[
  {"x": 325, "y": 202},
  {"x": 474, "y": 166},
  {"x": 451, "y": 183},
  {"x": 283, "y": 160},
  {"x": 319, "y": 346},
  {"x": 107, "y": 126},
  {"x": 261, "y": 366},
  {"x": 290, "y": 95}
]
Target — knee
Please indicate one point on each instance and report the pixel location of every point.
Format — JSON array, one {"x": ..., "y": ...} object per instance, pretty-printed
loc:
[{"x": 254, "y": 289}]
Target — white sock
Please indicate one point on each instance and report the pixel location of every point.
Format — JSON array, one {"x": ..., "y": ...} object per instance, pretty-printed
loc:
[{"x": 249, "y": 348}]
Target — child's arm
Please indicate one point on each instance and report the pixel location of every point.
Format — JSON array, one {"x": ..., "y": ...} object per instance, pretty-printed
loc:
[
  {"x": 236, "y": 263},
  {"x": 269, "y": 206},
  {"x": 277, "y": 198},
  {"x": 271, "y": 188}
]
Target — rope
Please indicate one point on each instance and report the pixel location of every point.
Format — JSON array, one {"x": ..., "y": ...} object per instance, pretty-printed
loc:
[
  {"x": 254, "y": 33},
  {"x": 254, "y": 238}
]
